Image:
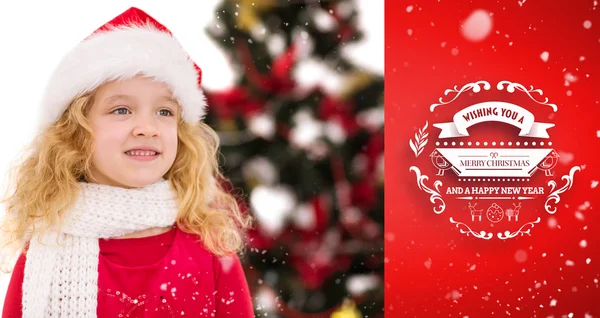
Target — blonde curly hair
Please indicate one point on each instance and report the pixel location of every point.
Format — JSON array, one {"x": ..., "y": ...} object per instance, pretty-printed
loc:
[{"x": 45, "y": 184}]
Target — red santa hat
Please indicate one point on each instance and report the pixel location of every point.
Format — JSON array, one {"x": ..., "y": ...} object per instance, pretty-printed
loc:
[{"x": 131, "y": 44}]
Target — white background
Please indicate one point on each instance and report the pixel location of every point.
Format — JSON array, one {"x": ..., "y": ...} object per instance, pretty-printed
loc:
[{"x": 35, "y": 35}]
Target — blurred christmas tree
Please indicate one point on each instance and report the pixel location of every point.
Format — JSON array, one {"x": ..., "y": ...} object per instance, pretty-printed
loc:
[{"x": 308, "y": 157}]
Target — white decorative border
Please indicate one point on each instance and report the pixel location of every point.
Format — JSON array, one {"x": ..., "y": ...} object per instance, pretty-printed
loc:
[
  {"x": 508, "y": 234},
  {"x": 465, "y": 229},
  {"x": 555, "y": 194},
  {"x": 489, "y": 235},
  {"x": 482, "y": 235},
  {"x": 420, "y": 141},
  {"x": 466, "y": 87},
  {"x": 511, "y": 86},
  {"x": 435, "y": 194}
]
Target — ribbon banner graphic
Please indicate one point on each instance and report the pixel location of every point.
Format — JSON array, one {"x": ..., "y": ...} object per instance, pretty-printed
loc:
[
  {"x": 494, "y": 111},
  {"x": 497, "y": 162}
]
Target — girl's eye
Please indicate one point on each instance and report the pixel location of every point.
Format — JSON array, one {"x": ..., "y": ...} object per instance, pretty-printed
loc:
[
  {"x": 121, "y": 113},
  {"x": 166, "y": 112}
]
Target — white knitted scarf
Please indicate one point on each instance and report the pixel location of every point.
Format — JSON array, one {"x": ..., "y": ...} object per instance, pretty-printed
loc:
[{"x": 61, "y": 280}]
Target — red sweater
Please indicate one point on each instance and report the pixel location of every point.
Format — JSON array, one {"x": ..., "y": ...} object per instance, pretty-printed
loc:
[{"x": 167, "y": 275}]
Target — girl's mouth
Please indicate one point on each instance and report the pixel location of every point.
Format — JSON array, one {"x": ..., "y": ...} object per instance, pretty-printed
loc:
[{"x": 142, "y": 155}]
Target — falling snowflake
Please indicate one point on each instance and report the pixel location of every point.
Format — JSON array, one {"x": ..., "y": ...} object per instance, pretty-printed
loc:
[
  {"x": 477, "y": 26},
  {"x": 552, "y": 223},
  {"x": 565, "y": 157},
  {"x": 584, "y": 206},
  {"x": 454, "y": 295},
  {"x": 357, "y": 285},
  {"x": 570, "y": 263},
  {"x": 226, "y": 263},
  {"x": 544, "y": 56},
  {"x": 520, "y": 256},
  {"x": 570, "y": 78},
  {"x": 428, "y": 263}
]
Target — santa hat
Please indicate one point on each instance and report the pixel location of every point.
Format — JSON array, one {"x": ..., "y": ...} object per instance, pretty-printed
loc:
[{"x": 131, "y": 44}]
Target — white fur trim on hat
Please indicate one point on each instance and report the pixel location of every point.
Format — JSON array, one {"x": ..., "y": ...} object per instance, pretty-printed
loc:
[{"x": 122, "y": 53}]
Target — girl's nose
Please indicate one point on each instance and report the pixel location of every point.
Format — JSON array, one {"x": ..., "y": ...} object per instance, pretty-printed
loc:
[{"x": 145, "y": 125}]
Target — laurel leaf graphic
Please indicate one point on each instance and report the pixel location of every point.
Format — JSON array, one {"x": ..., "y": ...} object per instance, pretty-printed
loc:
[{"x": 420, "y": 141}]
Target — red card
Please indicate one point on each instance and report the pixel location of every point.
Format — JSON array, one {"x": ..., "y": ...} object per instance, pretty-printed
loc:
[{"x": 492, "y": 175}]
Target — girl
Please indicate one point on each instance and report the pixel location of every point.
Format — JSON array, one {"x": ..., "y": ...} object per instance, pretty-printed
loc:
[{"x": 118, "y": 208}]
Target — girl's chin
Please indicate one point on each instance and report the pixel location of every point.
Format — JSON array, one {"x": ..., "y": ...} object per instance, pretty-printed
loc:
[{"x": 137, "y": 181}]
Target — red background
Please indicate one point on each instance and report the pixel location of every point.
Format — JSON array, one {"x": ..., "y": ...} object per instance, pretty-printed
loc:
[{"x": 418, "y": 70}]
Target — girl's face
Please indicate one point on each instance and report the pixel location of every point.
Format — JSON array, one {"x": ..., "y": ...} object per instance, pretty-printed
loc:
[{"x": 131, "y": 119}]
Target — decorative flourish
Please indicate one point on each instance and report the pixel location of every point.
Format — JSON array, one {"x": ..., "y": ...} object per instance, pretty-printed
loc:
[
  {"x": 555, "y": 194},
  {"x": 468, "y": 231},
  {"x": 512, "y": 86},
  {"x": 420, "y": 140},
  {"x": 508, "y": 234},
  {"x": 466, "y": 87},
  {"x": 435, "y": 194}
]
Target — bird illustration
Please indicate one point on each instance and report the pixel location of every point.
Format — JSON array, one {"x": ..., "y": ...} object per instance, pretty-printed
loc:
[
  {"x": 440, "y": 162},
  {"x": 548, "y": 163}
]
